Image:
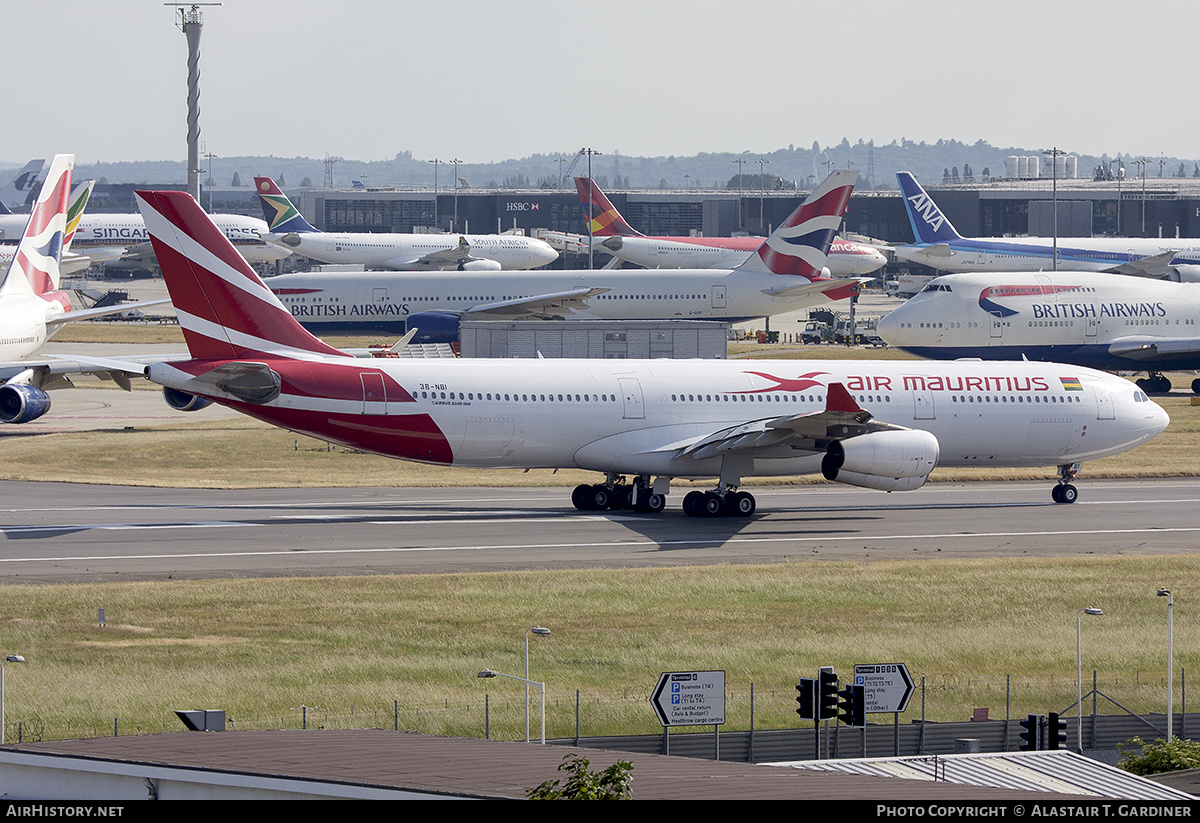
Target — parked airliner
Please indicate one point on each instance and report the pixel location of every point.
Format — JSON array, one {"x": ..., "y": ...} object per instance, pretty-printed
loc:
[
  {"x": 32, "y": 307},
  {"x": 875, "y": 424},
  {"x": 784, "y": 275},
  {"x": 397, "y": 252},
  {"x": 939, "y": 246},
  {"x": 618, "y": 238},
  {"x": 1105, "y": 321}
]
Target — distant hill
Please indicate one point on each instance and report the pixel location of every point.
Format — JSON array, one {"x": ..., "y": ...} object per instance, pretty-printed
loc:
[{"x": 877, "y": 163}]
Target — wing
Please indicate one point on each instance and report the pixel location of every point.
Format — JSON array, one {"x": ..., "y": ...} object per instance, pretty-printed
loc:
[
  {"x": 858, "y": 450},
  {"x": 1145, "y": 349},
  {"x": 1153, "y": 266},
  {"x": 539, "y": 306},
  {"x": 85, "y": 314},
  {"x": 445, "y": 259}
]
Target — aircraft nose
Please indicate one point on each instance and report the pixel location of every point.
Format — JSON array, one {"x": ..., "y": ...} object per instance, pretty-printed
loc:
[
  {"x": 887, "y": 328},
  {"x": 544, "y": 254}
]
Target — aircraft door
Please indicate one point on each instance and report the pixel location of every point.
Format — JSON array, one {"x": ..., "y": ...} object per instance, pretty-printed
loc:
[
  {"x": 374, "y": 393},
  {"x": 996, "y": 326},
  {"x": 718, "y": 297},
  {"x": 1092, "y": 328},
  {"x": 1104, "y": 403},
  {"x": 379, "y": 295},
  {"x": 922, "y": 400},
  {"x": 631, "y": 396}
]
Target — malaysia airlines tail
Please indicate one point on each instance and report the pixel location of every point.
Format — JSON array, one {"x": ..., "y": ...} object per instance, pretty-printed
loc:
[
  {"x": 605, "y": 219},
  {"x": 36, "y": 265},
  {"x": 801, "y": 244},
  {"x": 281, "y": 216},
  {"x": 929, "y": 225},
  {"x": 223, "y": 307},
  {"x": 14, "y": 194}
]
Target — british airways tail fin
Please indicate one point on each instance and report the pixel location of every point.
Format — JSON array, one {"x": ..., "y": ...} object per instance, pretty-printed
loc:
[
  {"x": 929, "y": 225},
  {"x": 801, "y": 244},
  {"x": 281, "y": 216},
  {"x": 605, "y": 219},
  {"x": 17, "y": 192},
  {"x": 35, "y": 266},
  {"x": 225, "y": 310}
]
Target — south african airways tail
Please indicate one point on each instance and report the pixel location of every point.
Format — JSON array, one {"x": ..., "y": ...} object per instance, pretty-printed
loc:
[{"x": 281, "y": 216}]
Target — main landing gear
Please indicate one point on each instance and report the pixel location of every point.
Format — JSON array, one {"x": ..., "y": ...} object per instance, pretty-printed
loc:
[
  {"x": 615, "y": 493},
  {"x": 725, "y": 501},
  {"x": 1157, "y": 383},
  {"x": 1064, "y": 492}
]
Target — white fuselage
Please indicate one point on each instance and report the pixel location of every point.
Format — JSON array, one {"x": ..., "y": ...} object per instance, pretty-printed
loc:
[
  {"x": 845, "y": 259},
  {"x": 1072, "y": 317},
  {"x": 400, "y": 252},
  {"x": 120, "y": 231},
  {"x": 349, "y": 300},
  {"x": 636, "y": 416},
  {"x": 23, "y": 324},
  {"x": 1037, "y": 253}
]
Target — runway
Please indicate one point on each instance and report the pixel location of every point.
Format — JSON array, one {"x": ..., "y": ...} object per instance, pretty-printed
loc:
[{"x": 70, "y": 533}]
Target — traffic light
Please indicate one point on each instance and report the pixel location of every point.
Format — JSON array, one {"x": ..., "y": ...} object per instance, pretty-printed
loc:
[
  {"x": 1030, "y": 735},
  {"x": 805, "y": 698},
  {"x": 1056, "y": 732},
  {"x": 850, "y": 707},
  {"x": 827, "y": 698}
]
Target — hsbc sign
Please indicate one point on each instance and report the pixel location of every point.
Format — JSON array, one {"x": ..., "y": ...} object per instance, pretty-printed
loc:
[{"x": 525, "y": 206}]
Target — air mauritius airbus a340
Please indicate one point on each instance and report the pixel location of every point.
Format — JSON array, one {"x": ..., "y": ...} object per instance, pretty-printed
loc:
[{"x": 882, "y": 425}]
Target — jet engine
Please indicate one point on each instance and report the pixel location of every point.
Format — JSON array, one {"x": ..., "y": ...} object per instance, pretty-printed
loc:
[
  {"x": 886, "y": 460},
  {"x": 1185, "y": 273},
  {"x": 479, "y": 265},
  {"x": 21, "y": 403},
  {"x": 434, "y": 327},
  {"x": 182, "y": 401}
]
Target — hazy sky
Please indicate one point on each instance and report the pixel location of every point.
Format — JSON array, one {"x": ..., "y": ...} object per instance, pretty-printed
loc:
[{"x": 490, "y": 80}]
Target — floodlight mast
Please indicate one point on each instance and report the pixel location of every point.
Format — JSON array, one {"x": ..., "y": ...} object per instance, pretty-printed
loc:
[{"x": 190, "y": 21}]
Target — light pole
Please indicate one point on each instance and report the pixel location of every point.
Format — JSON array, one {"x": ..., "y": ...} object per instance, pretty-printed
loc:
[
  {"x": 1054, "y": 153},
  {"x": 1162, "y": 592},
  {"x": 739, "y": 162},
  {"x": 435, "y": 162},
  {"x": 1142, "y": 162},
  {"x": 456, "y": 163},
  {"x": 1079, "y": 675},
  {"x": 762, "y": 194},
  {"x": 1120, "y": 174},
  {"x": 591, "y": 210},
  {"x": 528, "y": 683},
  {"x": 538, "y": 630},
  {"x": 12, "y": 658}
]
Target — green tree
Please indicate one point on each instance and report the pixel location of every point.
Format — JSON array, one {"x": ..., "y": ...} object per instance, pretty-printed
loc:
[
  {"x": 1160, "y": 756},
  {"x": 614, "y": 783}
]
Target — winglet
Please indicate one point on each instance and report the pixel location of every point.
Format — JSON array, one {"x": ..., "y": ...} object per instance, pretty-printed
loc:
[
  {"x": 281, "y": 216},
  {"x": 837, "y": 399},
  {"x": 606, "y": 220},
  {"x": 224, "y": 308},
  {"x": 929, "y": 225},
  {"x": 801, "y": 244}
]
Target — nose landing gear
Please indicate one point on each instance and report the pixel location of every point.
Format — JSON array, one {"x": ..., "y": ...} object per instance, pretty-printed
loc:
[{"x": 1065, "y": 492}]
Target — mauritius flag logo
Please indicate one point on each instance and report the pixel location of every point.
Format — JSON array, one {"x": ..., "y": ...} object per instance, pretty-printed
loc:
[{"x": 1071, "y": 384}]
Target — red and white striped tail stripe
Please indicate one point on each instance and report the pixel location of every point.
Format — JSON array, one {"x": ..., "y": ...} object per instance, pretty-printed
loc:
[{"x": 224, "y": 308}]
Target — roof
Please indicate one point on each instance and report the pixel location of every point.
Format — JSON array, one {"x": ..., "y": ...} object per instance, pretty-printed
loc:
[
  {"x": 429, "y": 765},
  {"x": 1063, "y": 772}
]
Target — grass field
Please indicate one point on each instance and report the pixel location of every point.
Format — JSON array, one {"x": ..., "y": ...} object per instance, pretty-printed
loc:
[{"x": 349, "y": 648}]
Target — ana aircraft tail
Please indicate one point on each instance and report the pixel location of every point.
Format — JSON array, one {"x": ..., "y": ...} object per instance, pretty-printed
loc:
[
  {"x": 17, "y": 192},
  {"x": 801, "y": 244},
  {"x": 929, "y": 225},
  {"x": 225, "y": 310},
  {"x": 281, "y": 216},
  {"x": 605, "y": 219},
  {"x": 36, "y": 264}
]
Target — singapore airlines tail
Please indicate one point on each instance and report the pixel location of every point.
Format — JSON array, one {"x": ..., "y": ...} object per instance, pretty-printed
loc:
[
  {"x": 225, "y": 310},
  {"x": 278, "y": 211},
  {"x": 605, "y": 219},
  {"x": 929, "y": 225}
]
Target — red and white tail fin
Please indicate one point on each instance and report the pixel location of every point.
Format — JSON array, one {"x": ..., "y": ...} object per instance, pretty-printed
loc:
[
  {"x": 35, "y": 265},
  {"x": 224, "y": 308},
  {"x": 801, "y": 244}
]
